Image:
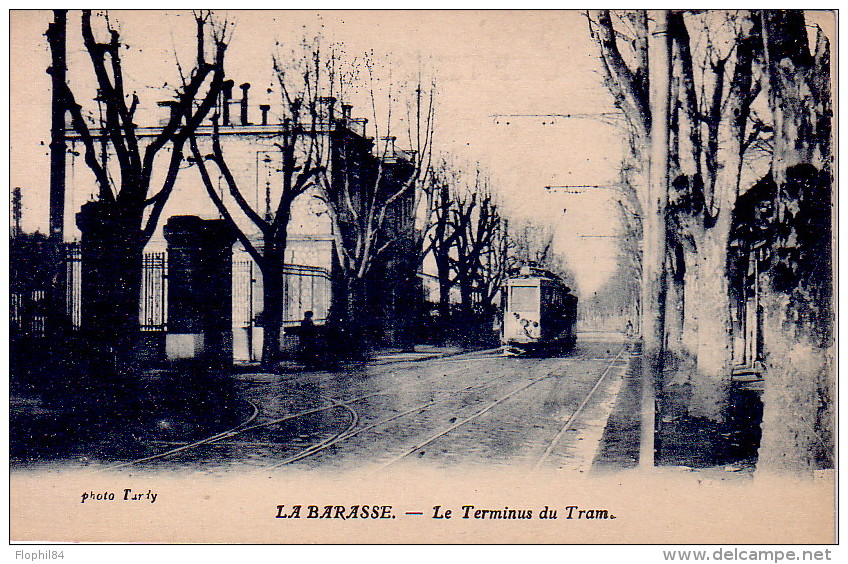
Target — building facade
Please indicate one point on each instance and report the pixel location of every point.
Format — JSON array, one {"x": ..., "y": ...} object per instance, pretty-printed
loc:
[{"x": 360, "y": 177}]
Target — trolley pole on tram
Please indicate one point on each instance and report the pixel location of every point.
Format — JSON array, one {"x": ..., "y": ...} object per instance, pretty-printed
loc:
[{"x": 654, "y": 233}]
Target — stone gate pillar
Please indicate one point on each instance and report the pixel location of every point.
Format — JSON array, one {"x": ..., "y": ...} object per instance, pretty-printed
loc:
[
  {"x": 199, "y": 289},
  {"x": 110, "y": 281}
]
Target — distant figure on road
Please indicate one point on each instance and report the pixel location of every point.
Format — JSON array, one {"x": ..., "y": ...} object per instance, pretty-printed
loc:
[
  {"x": 308, "y": 341},
  {"x": 628, "y": 329}
]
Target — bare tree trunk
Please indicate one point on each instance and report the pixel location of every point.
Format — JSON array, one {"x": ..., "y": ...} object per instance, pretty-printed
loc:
[
  {"x": 798, "y": 404},
  {"x": 798, "y": 414},
  {"x": 116, "y": 227},
  {"x": 691, "y": 313},
  {"x": 273, "y": 286},
  {"x": 466, "y": 295},
  {"x": 357, "y": 316},
  {"x": 273, "y": 281},
  {"x": 675, "y": 303},
  {"x": 444, "y": 290},
  {"x": 791, "y": 93},
  {"x": 725, "y": 151},
  {"x": 711, "y": 381}
]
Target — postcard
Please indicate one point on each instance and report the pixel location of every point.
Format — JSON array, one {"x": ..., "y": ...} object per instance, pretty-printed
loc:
[{"x": 423, "y": 276}]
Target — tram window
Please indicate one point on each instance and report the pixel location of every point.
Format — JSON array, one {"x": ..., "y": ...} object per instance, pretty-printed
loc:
[{"x": 524, "y": 298}]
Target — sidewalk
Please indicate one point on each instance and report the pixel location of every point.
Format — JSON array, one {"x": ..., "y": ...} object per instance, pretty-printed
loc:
[
  {"x": 619, "y": 447},
  {"x": 378, "y": 357},
  {"x": 683, "y": 443}
]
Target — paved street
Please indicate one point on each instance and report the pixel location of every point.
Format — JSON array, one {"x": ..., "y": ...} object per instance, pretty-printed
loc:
[{"x": 477, "y": 409}]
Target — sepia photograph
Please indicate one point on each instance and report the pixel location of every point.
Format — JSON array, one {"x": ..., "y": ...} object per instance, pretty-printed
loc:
[{"x": 423, "y": 276}]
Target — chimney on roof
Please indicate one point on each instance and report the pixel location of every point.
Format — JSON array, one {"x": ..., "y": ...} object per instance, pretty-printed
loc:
[
  {"x": 172, "y": 104},
  {"x": 390, "y": 145},
  {"x": 347, "y": 110},
  {"x": 264, "y": 108},
  {"x": 226, "y": 97},
  {"x": 244, "y": 88},
  {"x": 325, "y": 108}
]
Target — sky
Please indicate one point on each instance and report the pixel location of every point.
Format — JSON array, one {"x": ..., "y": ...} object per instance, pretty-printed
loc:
[{"x": 494, "y": 71}]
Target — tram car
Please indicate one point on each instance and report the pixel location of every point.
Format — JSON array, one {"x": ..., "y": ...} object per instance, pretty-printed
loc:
[{"x": 539, "y": 313}]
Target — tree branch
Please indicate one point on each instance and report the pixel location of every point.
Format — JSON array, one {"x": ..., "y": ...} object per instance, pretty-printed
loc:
[
  {"x": 218, "y": 158},
  {"x": 222, "y": 209},
  {"x": 81, "y": 127},
  {"x": 629, "y": 97}
]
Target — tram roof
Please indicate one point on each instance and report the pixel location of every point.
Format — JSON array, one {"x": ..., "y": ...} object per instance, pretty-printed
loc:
[{"x": 537, "y": 273}]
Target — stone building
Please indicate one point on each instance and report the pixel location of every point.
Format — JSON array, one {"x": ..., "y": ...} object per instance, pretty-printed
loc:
[{"x": 250, "y": 138}]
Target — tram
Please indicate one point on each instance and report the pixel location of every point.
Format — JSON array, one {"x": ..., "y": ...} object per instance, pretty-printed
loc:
[{"x": 539, "y": 313}]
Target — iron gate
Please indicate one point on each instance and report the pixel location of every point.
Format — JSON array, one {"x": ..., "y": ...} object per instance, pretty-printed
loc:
[{"x": 305, "y": 288}]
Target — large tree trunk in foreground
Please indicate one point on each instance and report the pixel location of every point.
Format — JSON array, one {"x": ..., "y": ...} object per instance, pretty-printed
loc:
[
  {"x": 798, "y": 401},
  {"x": 356, "y": 319},
  {"x": 691, "y": 303},
  {"x": 273, "y": 287},
  {"x": 711, "y": 380},
  {"x": 798, "y": 407},
  {"x": 675, "y": 304}
]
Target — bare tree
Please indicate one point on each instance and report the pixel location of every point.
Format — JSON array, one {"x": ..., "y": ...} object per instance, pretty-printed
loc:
[
  {"x": 468, "y": 239},
  {"x": 797, "y": 298},
  {"x": 118, "y": 225},
  {"x": 629, "y": 256},
  {"x": 438, "y": 232},
  {"x": 717, "y": 113},
  {"x": 303, "y": 145},
  {"x": 476, "y": 222},
  {"x": 713, "y": 127},
  {"x": 532, "y": 243},
  {"x": 496, "y": 264},
  {"x": 371, "y": 197}
]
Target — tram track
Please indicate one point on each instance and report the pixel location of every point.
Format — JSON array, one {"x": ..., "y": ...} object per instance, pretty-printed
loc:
[
  {"x": 352, "y": 429},
  {"x": 570, "y": 421},
  {"x": 347, "y": 435},
  {"x": 353, "y": 419},
  {"x": 245, "y": 426},
  {"x": 419, "y": 408},
  {"x": 390, "y": 364},
  {"x": 464, "y": 421},
  {"x": 553, "y": 443}
]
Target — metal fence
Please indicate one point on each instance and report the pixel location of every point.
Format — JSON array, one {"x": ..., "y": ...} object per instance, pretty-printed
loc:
[
  {"x": 29, "y": 308},
  {"x": 73, "y": 287},
  {"x": 28, "y": 312},
  {"x": 306, "y": 288},
  {"x": 153, "y": 306}
]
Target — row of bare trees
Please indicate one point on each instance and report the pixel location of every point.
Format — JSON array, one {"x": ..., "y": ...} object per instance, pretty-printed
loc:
[
  {"x": 364, "y": 194},
  {"x": 750, "y": 99},
  {"x": 360, "y": 193},
  {"x": 466, "y": 236},
  {"x": 474, "y": 244}
]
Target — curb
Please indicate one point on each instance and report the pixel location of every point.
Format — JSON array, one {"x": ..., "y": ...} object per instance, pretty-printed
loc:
[{"x": 434, "y": 356}]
